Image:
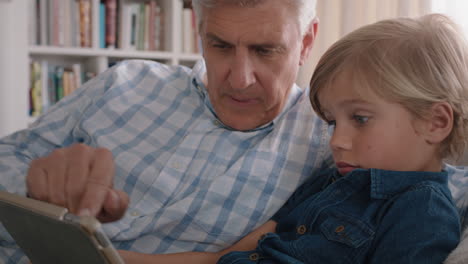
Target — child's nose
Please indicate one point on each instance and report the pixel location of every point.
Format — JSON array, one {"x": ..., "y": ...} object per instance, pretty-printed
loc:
[{"x": 340, "y": 139}]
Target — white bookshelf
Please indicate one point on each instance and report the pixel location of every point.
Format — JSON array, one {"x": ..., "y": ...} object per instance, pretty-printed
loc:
[{"x": 15, "y": 53}]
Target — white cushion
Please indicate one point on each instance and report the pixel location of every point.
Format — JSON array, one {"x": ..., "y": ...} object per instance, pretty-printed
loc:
[{"x": 460, "y": 254}]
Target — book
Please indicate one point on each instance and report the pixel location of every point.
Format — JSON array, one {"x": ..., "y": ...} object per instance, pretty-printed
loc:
[
  {"x": 44, "y": 85},
  {"x": 134, "y": 23},
  {"x": 85, "y": 23},
  {"x": 58, "y": 81},
  {"x": 141, "y": 27},
  {"x": 67, "y": 23},
  {"x": 76, "y": 68},
  {"x": 75, "y": 24},
  {"x": 125, "y": 26},
  {"x": 35, "y": 89},
  {"x": 147, "y": 19},
  {"x": 111, "y": 23},
  {"x": 102, "y": 25},
  {"x": 159, "y": 28}
]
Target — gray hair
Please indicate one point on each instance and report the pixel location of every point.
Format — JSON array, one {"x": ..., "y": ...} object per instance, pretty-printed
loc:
[{"x": 304, "y": 8}]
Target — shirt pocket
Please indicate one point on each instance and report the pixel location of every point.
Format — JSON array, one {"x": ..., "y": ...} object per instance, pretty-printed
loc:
[{"x": 346, "y": 230}]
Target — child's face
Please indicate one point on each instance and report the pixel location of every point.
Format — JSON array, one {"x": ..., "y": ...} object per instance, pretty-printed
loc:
[{"x": 370, "y": 132}]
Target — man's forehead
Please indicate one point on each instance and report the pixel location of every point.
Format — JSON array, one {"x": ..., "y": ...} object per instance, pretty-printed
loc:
[
  {"x": 231, "y": 28},
  {"x": 257, "y": 41}
]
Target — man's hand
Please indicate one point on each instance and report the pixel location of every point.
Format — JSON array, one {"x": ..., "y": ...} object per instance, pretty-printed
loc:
[{"x": 79, "y": 178}]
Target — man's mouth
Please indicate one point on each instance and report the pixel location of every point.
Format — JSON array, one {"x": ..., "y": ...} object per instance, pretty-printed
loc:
[{"x": 242, "y": 101}]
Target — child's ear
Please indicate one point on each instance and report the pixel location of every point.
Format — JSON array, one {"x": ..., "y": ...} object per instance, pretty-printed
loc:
[{"x": 440, "y": 123}]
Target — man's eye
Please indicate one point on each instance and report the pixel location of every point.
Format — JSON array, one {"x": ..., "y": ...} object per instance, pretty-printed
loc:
[
  {"x": 360, "y": 119},
  {"x": 221, "y": 46},
  {"x": 263, "y": 51}
]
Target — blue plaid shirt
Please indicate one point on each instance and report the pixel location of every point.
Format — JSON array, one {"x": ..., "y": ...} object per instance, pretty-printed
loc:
[{"x": 194, "y": 183}]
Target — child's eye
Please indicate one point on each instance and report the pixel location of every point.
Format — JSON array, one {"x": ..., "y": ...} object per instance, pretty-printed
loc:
[{"x": 361, "y": 119}]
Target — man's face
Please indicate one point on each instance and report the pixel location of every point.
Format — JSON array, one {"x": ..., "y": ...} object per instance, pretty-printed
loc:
[{"x": 252, "y": 56}]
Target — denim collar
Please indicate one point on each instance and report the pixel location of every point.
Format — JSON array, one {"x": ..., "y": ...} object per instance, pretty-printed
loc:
[{"x": 384, "y": 184}]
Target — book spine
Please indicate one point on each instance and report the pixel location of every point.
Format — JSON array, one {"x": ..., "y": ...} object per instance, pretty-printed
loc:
[
  {"x": 85, "y": 23},
  {"x": 141, "y": 27},
  {"x": 102, "y": 25},
  {"x": 134, "y": 10},
  {"x": 159, "y": 28},
  {"x": 35, "y": 90},
  {"x": 67, "y": 26},
  {"x": 111, "y": 16},
  {"x": 51, "y": 85},
  {"x": 45, "y": 85},
  {"x": 75, "y": 24},
  {"x": 124, "y": 30},
  {"x": 76, "y": 68},
  {"x": 59, "y": 83},
  {"x": 151, "y": 25},
  {"x": 52, "y": 36}
]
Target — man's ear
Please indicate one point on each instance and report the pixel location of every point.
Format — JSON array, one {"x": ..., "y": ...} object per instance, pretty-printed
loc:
[
  {"x": 308, "y": 40},
  {"x": 440, "y": 123}
]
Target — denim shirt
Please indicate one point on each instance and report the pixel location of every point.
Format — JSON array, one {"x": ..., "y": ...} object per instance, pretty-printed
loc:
[{"x": 367, "y": 216}]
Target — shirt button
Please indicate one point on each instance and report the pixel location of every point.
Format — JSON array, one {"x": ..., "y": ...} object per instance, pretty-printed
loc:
[
  {"x": 254, "y": 256},
  {"x": 339, "y": 229},
  {"x": 301, "y": 229}
]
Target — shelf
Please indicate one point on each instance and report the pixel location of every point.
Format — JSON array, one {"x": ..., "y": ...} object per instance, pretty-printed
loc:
[
  {"x": 190, "y": 57},
  {"x": 90, "y": 52},
  {"x": 16, "y": 53},
  {"x": 113, "y": 53}
]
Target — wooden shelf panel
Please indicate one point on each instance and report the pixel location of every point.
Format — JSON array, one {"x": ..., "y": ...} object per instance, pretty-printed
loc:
[{"x": 90, "y": 52}]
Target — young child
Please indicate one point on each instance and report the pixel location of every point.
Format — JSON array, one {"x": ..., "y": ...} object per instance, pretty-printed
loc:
[{"x": 395, "y": 94}]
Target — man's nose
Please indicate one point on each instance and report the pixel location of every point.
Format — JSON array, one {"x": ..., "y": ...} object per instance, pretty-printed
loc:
[
  {"x": 341, "y": 139},
  {"x": 242, "y": 71}
]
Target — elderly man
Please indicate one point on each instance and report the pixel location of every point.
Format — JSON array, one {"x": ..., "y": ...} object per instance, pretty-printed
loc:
[{"x": 187, "y": 159}]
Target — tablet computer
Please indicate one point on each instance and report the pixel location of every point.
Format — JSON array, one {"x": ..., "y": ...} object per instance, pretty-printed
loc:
[{"x": 50, "y": 234}]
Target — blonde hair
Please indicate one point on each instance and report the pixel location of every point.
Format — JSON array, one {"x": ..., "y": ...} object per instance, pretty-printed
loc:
[
  {"x": 413, "y": 62},
  {"x": 305, "y": 9}
]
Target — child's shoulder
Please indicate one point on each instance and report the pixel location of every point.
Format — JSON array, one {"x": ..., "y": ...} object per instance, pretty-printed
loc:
[{"x": 424, "y": 200}]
